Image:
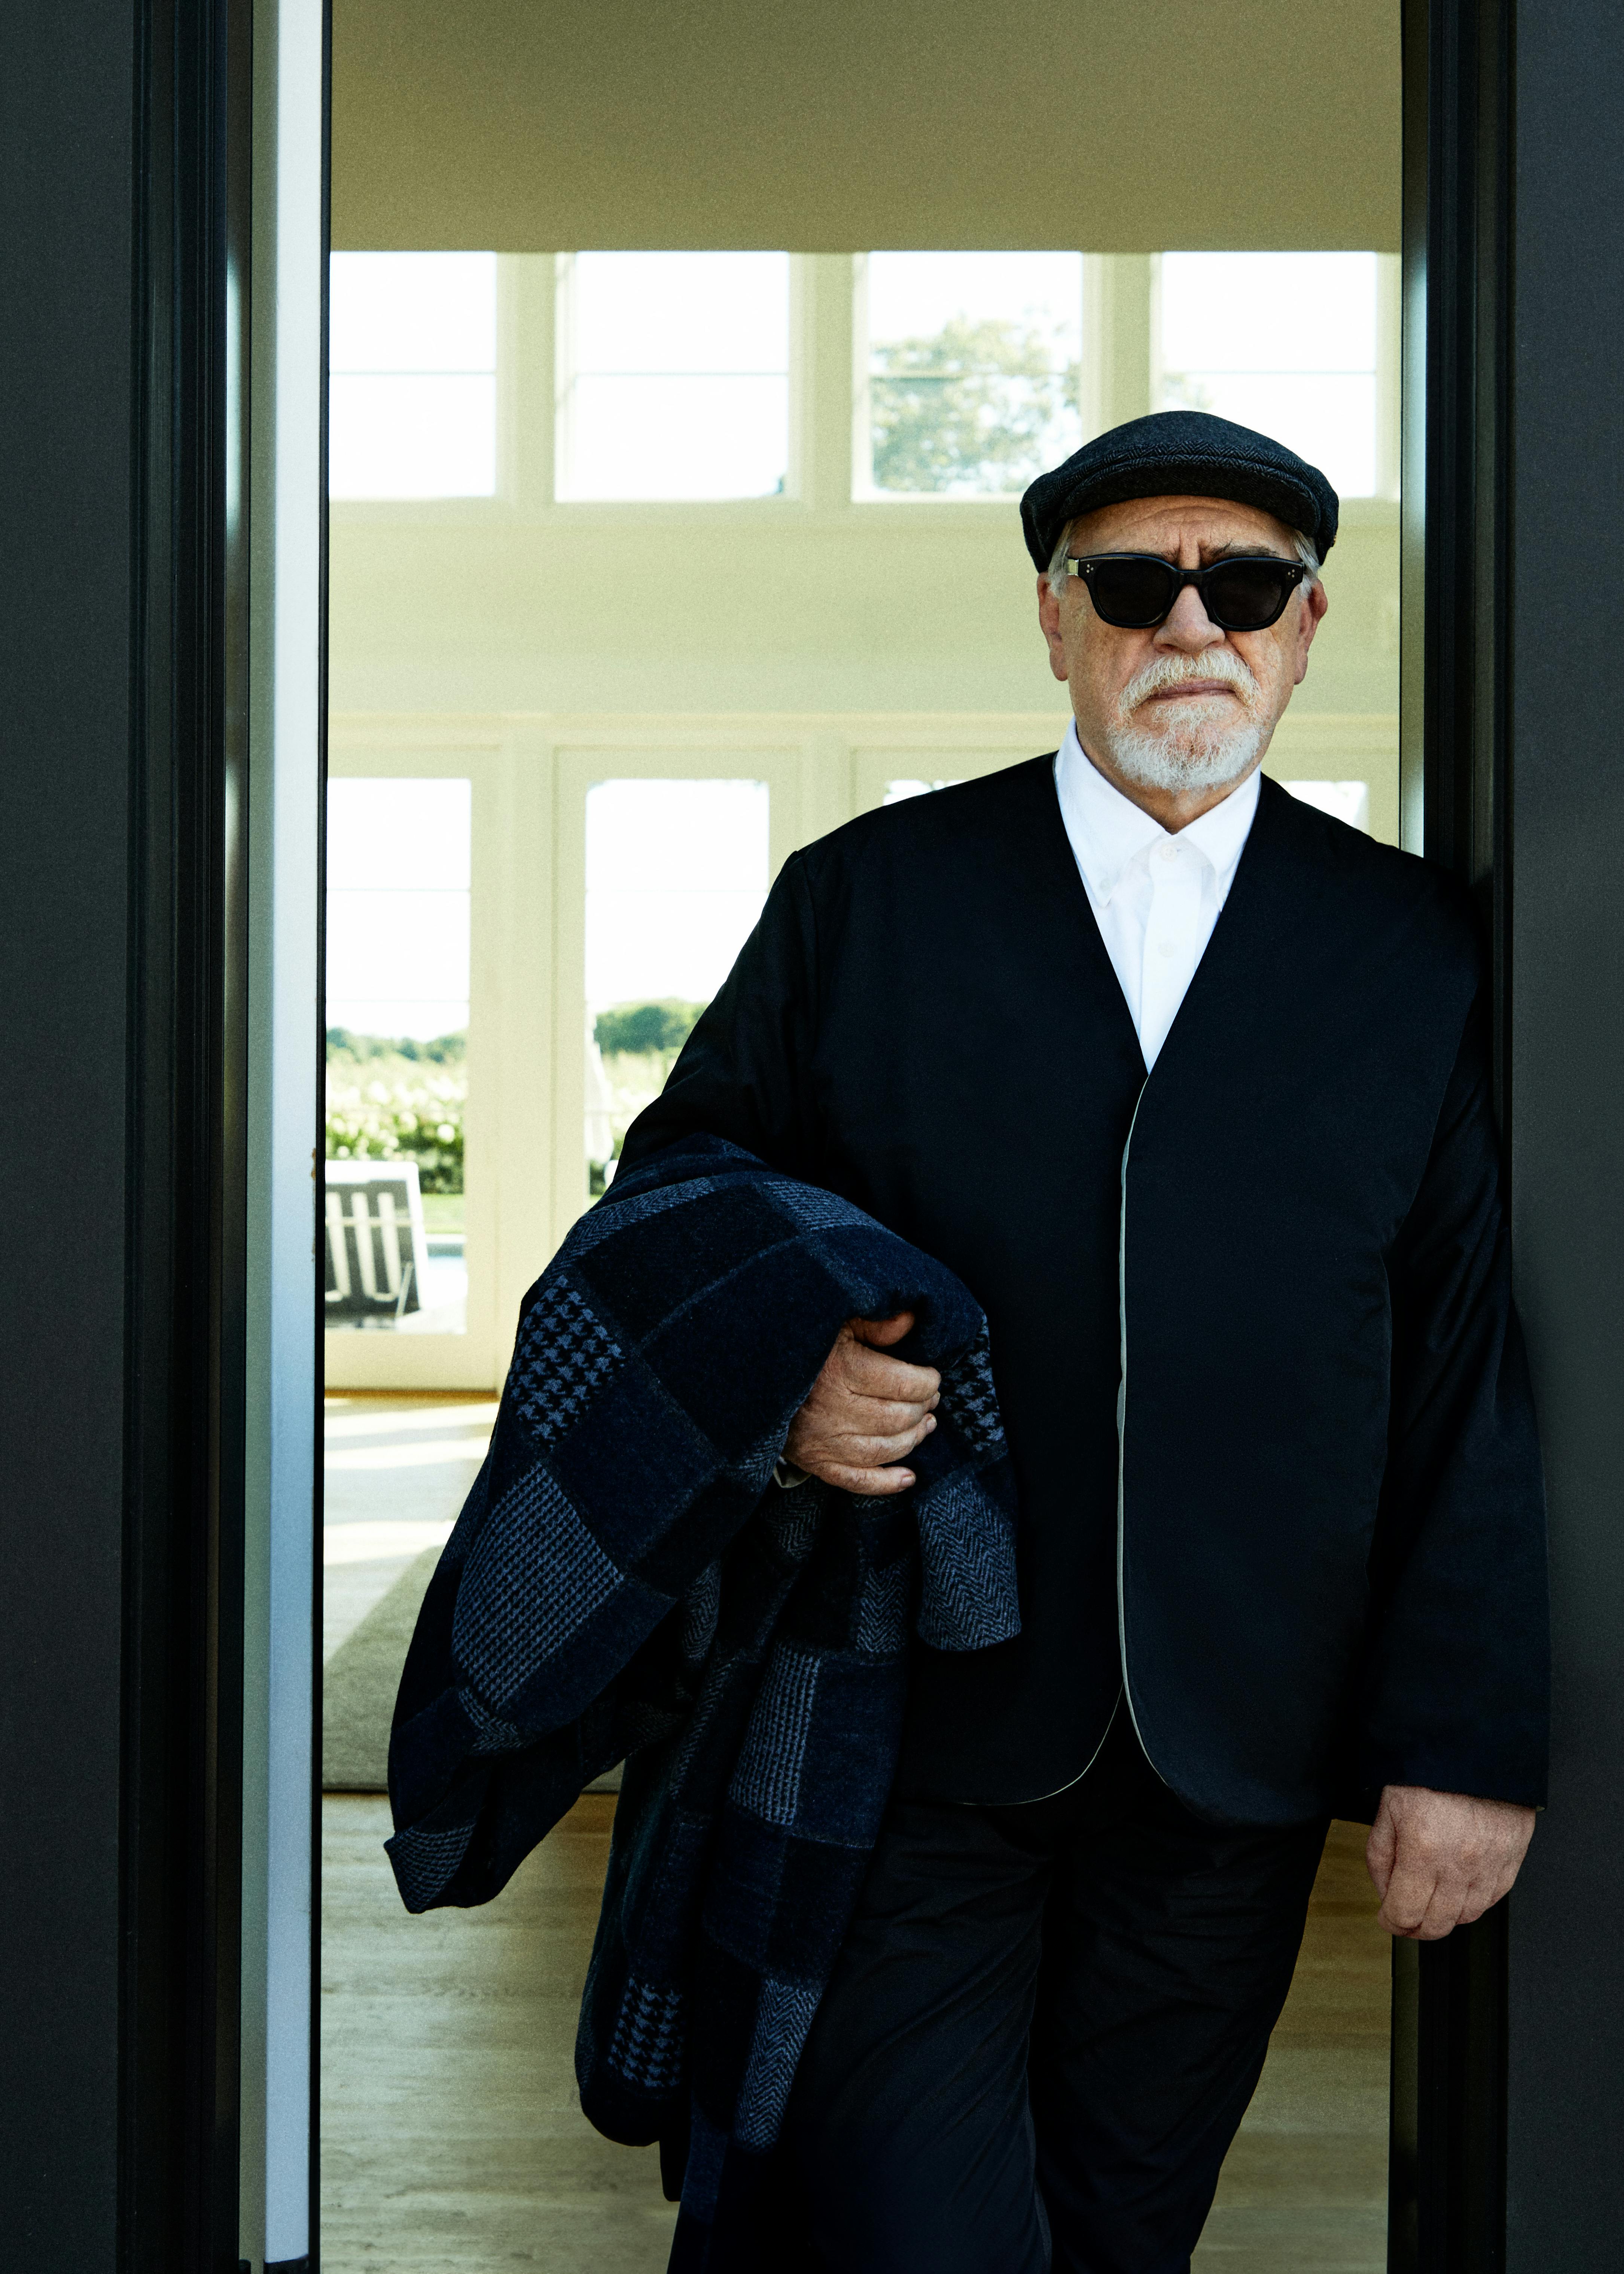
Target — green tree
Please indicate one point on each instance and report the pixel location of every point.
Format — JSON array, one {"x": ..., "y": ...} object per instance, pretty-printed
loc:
[
  {"x": 444, "y": 1050},
  {"x": 645, "y": 1026},
  {"x": 970, "y": 409},
  {"x": 392, "y": 1099}
]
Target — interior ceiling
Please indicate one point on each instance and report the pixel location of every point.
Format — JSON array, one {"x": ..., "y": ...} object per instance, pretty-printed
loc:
[{"x": 830, "y": 126}]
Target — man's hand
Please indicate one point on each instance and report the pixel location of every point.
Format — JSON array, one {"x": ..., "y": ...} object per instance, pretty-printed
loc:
[
  {"x": 865, "y": 1410},
  {"x": 1440, "y": 1859}
]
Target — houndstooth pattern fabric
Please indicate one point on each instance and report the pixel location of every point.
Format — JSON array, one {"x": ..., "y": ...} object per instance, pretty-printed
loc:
[
  {"x": 969, "y": 1398},
  {"x": 646, "y": 2049},
  {"x": 563, "y": 1354},
  {"x": 625, "y": 1582}
]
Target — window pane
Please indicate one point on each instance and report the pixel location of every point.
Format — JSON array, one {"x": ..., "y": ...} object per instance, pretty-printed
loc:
[
  {"x": 676, "y": 872},
  {"x": 399, "y": 946},
  {"x": 410, "y": 834},
  {"x": 398, "y": 924},
  {"x": 413, "y": 311},
  {"x": 1283, "y": 341},
  {"x": 394, "y": 436},
  {"x": 677, "y": 438},
  {"x": 676, "y": 375},
  {"x": 413, "y": 391},
  {"x": 975, "y": 368},
  {"x": 661, "y": 313},
  {"x": 1329, "y": 421}
]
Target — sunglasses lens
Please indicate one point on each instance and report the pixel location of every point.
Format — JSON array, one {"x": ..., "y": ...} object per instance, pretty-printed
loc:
[
  {"x": 1131, "y": 593},
  {"x": 1244, "y": 596}
]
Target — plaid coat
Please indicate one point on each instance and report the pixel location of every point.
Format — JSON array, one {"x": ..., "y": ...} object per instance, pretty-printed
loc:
[{"x": 626, "y": 1582}]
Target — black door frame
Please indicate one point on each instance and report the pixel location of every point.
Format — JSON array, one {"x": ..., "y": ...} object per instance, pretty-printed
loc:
[
  {"x": 1446, "y": 2172},
  {"x": 122, "y": 291},
  {"x": 187, "y": 1191},
  {"x": 139, "y": 2146}
]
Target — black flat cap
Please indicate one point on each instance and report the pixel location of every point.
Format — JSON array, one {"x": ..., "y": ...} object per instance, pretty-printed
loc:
[{"x": 1180, "y": 454}]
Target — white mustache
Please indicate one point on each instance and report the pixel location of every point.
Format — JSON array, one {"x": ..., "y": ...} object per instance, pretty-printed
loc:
[{"x": 1172, "y": 670}]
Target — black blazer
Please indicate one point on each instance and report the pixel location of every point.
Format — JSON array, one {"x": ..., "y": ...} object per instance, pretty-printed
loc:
[{"x": 1251, "y": 1316}]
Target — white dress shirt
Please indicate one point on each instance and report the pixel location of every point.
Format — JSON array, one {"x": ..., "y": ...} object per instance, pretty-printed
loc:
[{"x": 1155, "y": 896}]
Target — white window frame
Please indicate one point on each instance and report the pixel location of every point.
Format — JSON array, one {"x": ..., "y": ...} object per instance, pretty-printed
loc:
[
  {"x": 511, "y": 355},
  {"x": 794, "y": 491},
  {"x": 1388, "y": 369},
  {"x": 864, "y": 493}
]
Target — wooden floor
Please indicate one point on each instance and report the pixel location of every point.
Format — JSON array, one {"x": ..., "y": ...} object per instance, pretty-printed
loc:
[
  {"x": 452, "y": 2139},
  {"x": 1304, "y": 2188}
]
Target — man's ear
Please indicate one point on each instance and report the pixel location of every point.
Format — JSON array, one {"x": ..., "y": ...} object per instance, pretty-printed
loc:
[
  {"x": 1049, "y": 617},
  {"x": 1314, "y": 605}
]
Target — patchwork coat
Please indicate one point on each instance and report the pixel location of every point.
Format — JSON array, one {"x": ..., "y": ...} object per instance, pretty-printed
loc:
[{"x": 627, "y": 1582}]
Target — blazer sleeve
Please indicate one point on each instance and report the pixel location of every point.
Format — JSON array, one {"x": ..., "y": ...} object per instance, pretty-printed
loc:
[
  {"x": 746, "y": 1072},
  {"x": 1458, "y": 1678}
]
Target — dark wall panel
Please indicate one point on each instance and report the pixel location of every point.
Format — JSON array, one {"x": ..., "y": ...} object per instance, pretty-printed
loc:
[
  {"x": 1566, "y": 2033},
  {"x": 66, "y": 300}
]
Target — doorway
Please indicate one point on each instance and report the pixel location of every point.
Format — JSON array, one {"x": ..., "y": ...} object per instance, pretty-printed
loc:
[{"x": 550, "y": 391}]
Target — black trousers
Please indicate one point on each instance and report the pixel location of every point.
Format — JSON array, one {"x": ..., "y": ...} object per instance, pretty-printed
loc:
[{"x": 1043, "y": 2030}]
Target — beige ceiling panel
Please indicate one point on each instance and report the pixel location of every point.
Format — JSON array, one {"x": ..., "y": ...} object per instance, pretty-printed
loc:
[{"x": 830, "y": 126}]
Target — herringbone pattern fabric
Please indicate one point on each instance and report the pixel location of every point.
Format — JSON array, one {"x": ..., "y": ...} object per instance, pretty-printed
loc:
[{"x": 626, "y": 1582}]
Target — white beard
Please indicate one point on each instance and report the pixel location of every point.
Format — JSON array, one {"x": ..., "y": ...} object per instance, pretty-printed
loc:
[{"x": 1202, "y": 751}]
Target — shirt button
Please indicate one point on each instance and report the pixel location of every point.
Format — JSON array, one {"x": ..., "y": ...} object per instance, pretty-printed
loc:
[
  {"x": 1166, "y": 948},
  {"x": 1167, "y": 852}
]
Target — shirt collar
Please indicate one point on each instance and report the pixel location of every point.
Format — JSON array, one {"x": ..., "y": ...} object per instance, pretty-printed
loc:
[{"x": 1109, "y": 832}]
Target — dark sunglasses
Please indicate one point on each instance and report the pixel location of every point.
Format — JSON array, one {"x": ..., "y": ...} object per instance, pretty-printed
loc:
[{"x": 1135, "y": 590}]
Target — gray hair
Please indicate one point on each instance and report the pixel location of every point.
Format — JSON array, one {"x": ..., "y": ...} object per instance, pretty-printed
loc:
[{"x": 1058, "y": 579}]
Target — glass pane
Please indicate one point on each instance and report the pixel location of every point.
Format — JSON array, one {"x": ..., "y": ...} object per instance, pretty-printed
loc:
[
  {"x": 398, "y": 919},
  {"x": 413, "y": 361},
  {"x": 677, "y": 438},
  {"x": 1283, "y": 341},
  {"x": 676, "y": 375},
  {"x": 394, "y": 436},
  {"x": 413, "y": 311},
  {"x": 663, "y": 313},
  {"x": 975, "y": 368},
  {"x": 676, "y": 872}
]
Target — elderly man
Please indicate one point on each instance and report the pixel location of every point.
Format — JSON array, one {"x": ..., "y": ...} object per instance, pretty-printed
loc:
[{"x": 1281, "y": 1535}]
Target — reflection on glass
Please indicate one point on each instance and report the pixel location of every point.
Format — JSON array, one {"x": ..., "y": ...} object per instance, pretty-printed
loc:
[
  {"x": 1283, "y": 341},
  {"x": 412, "y": 395},
  {"x": 676, "y": 872},
  {"x": 398, "y": 912},
  {"x": 673, "y": 375},
  {"x": 973, "y": 365}
]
